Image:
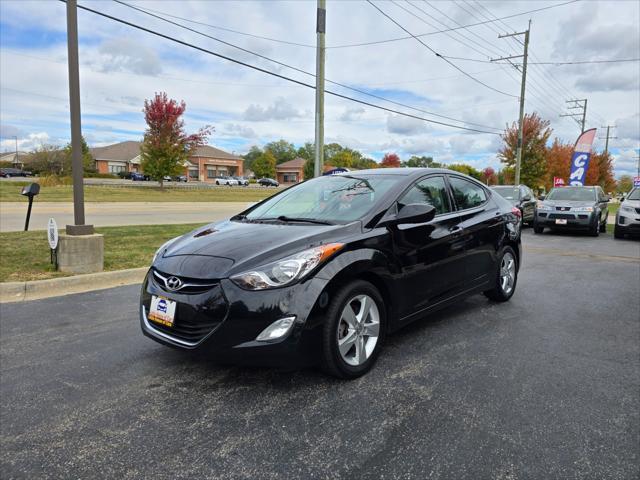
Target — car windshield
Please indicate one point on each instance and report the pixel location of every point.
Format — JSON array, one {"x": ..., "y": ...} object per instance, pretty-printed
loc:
[
  {"x": 510, "y": 193},
  {"x": 634, "y": 194},
  {"x": 579, "y": 194},
  {"x": 328, "y": 199}
]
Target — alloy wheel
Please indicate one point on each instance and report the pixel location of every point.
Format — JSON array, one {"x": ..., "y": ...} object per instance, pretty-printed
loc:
[
  {"x": 507, "y": 273},
  {"x": 358, "y": 330}
]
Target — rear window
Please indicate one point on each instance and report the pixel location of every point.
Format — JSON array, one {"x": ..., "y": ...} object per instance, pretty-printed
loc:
[
  {"x": 467, "y": 194},
  {"x": 510, "y": 193}
]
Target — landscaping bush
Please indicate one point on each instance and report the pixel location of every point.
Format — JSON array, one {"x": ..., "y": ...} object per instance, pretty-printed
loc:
[{"x": 54, "y": 181}]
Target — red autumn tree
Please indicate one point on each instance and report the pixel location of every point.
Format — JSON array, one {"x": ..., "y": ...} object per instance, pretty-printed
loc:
[
  {"x": 166, "y": 146},
  {"x": 489, "y": 176},
  {"x": 558, "y": 162},
  {"x": 605, "y": 171},
  {"x": 390, "y": 160}
]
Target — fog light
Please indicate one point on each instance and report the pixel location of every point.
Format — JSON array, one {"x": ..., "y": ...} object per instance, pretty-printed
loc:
[{"x": 276, "y": 330}]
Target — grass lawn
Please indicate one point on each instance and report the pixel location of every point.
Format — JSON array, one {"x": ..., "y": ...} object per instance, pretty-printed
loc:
[
  {"x": 25, "y": 255},
  {"x": 10, "y": 192}
]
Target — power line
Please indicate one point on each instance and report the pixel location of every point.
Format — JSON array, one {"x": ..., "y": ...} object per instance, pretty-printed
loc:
[
  {"x": 577, "y": 62},
  {"x": 274, "y": 74},
  {"x": 310, "y": 74},
  {"x": 378, "y": 42},
  {"x": 439, "y": 55}
]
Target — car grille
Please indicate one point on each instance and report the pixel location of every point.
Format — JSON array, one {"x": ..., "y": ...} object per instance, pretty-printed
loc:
[
  {"x": 189, "y": 326},
  {"x": 187, "y": 285},
  {"x": 563, "y": 209}
]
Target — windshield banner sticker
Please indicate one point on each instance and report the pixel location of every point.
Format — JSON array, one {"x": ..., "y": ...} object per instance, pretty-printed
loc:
[{"x": 581, "y": 157}]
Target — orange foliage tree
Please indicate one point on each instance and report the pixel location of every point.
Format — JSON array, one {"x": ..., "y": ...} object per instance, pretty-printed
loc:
[
  {"x": 536, "y": 132},
  {"x": 558, "y": 162}
]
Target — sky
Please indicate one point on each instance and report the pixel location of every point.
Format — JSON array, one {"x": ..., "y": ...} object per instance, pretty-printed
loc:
[{"x": 121, "y": 66}]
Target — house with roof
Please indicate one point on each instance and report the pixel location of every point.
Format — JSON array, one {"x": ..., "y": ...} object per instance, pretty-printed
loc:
[
  {"x": 17, "y": 159},
  {"x": 205, "y": 164},
  {"x": 291, "y": 171}
]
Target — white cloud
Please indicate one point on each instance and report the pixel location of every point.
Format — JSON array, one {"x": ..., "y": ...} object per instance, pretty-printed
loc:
[
  {"x": 405, "y": 125},
  {"x": 280, "y": 109}
]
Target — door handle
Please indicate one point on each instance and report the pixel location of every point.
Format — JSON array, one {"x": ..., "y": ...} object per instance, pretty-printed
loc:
[{"x": 456, "y": 230}]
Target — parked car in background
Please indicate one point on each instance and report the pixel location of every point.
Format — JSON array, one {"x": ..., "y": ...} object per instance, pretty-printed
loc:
[
  {"x": 521, "y": 197},
  {"x": 139, "y": 177},
  {"x": 180, "y": 178},
  {"x": 125, "y": 175},
  {"x": 14, "y": 172},
  {"x": 268, "y": 182},
  {"x": 242, "y": 181},
  {"x": 322, "y": 272},
  {"x": 628, "y": 215},
  {"x": 224, "y": 180},
  {"x": 578, "y": 208}
]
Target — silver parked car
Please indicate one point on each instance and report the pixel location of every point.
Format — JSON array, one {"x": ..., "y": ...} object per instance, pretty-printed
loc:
[
  {"x": 577, "y": 208},
  {"x": 628, "y": 216}
]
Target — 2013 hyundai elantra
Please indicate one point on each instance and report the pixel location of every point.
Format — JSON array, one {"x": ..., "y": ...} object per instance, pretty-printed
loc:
[{"x": 321, "y": 272}]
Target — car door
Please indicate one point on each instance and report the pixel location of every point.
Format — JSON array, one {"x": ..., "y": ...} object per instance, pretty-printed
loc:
[
  {"x": 603, "y": 204},
  {"x": 482, "y": 223},
  {"x": 430, "y": 254},
  {"x": 528, "y": 203}
]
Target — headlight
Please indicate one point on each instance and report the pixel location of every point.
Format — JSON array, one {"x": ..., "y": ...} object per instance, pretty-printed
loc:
[
  {"x": 162, "y": 248},
  {"x": 582, "y": 209},
  {"x": 627, "y": 209},
  {"x": 542, "y": 206},
  {"x": 285, "y": 271}
]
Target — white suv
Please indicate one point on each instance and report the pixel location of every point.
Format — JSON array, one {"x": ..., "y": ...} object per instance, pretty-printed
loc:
[{"x": 223, "y": 180}]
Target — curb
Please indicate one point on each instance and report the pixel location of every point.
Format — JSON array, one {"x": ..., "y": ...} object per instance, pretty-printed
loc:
[{"x": 36, "y": 289}]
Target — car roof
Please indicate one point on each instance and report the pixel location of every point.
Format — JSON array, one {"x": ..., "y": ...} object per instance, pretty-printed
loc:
[{"x": 402, "y": 171}]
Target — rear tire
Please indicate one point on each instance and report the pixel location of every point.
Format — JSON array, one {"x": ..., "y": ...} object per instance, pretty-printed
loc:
[
  {"x": 353, "y": 331},
  {"x": 506, "y": 277}
]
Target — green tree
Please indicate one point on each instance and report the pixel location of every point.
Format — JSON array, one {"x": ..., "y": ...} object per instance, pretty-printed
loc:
[
  {"x": 364, "y": 163},
  {"x": 625, "y": 184},
  {"x": 250, "y": 157},
  {"x": 423, "y": 161},
  {"x": 165, "y": 146},
  {"x": 88, "y": 162},
  {"x": 466, "y": 169},
  {"x": 48, "y": 160},
  {"x": 343, "y": 159},
  {"x": 265, "y": 165},
  {"x": 307, "y": 151},
  {"x": 281, "y": 150},
  {"x": 536, "y": 132},
  {"x": 308, "y": 169}
]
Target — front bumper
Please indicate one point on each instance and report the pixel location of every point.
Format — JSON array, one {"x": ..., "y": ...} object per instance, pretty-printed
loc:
[
  {"x": 574, "y": 220},
  {"x": 224, "y": 320},
  {"x": 628, "y": 221}
]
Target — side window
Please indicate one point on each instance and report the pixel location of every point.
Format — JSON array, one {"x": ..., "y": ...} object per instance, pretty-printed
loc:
[
  {"x": 432, "y": 191},
  {"x": 467, "y": 194}
]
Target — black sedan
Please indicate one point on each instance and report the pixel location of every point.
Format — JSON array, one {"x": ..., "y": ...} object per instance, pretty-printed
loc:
[
  {"x": 519, "y": 196},
  {"x": 268, "y": 182},
  {"x": 321, "y": 272}
]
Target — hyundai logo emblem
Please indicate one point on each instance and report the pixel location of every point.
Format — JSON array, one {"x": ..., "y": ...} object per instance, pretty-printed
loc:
[{"x": 173, "y": 283}]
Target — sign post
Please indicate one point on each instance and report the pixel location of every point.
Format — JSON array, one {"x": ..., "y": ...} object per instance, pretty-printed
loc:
[{"x": 52, "y": 236}]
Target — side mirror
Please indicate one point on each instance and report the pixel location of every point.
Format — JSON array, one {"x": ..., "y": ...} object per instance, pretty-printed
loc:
[
  {"x": 621, "y": 199},
  {"x": 526, "y": 198},
  {"x": 415, "y": 213},
  {"x": 541, "y": 197}
]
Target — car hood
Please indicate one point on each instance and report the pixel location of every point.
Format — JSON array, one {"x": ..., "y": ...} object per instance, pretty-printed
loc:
[{"x": 222, "y": 249}]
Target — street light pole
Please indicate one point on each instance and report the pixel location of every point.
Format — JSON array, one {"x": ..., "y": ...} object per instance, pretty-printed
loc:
[
  {"x": 321, "y": 20},
  {"x": 76, "y": 133}
]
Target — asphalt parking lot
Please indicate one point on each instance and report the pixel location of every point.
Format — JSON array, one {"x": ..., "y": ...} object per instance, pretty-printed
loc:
[{"x": 545, "y": 386}]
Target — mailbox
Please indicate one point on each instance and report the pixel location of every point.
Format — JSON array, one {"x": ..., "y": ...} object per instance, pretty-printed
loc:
[{"x": 30, "y": 191}]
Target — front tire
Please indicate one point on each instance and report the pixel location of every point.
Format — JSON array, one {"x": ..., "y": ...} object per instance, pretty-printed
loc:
[
  {"x": 506, "y": 278},
  {"x": 537, "y": 228},
  {"x": 594, "y": 230},
  {"x": 354, "y": 330},
  {"x": 617, "y": 232}
]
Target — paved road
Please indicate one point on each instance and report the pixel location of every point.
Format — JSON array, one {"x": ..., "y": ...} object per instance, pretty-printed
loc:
[
  {"x": 12, "y": 214},
  {"x": 545, "y": 386}
]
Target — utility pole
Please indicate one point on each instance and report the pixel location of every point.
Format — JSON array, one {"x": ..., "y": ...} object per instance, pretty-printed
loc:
[
  {"x": 321, "y": 23},
  {"x": 577, "y": 104},
  {"x": 79, "y": 228},
  {"x": 524, "y": 57},
  {"x": 606, "y": 143}
]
